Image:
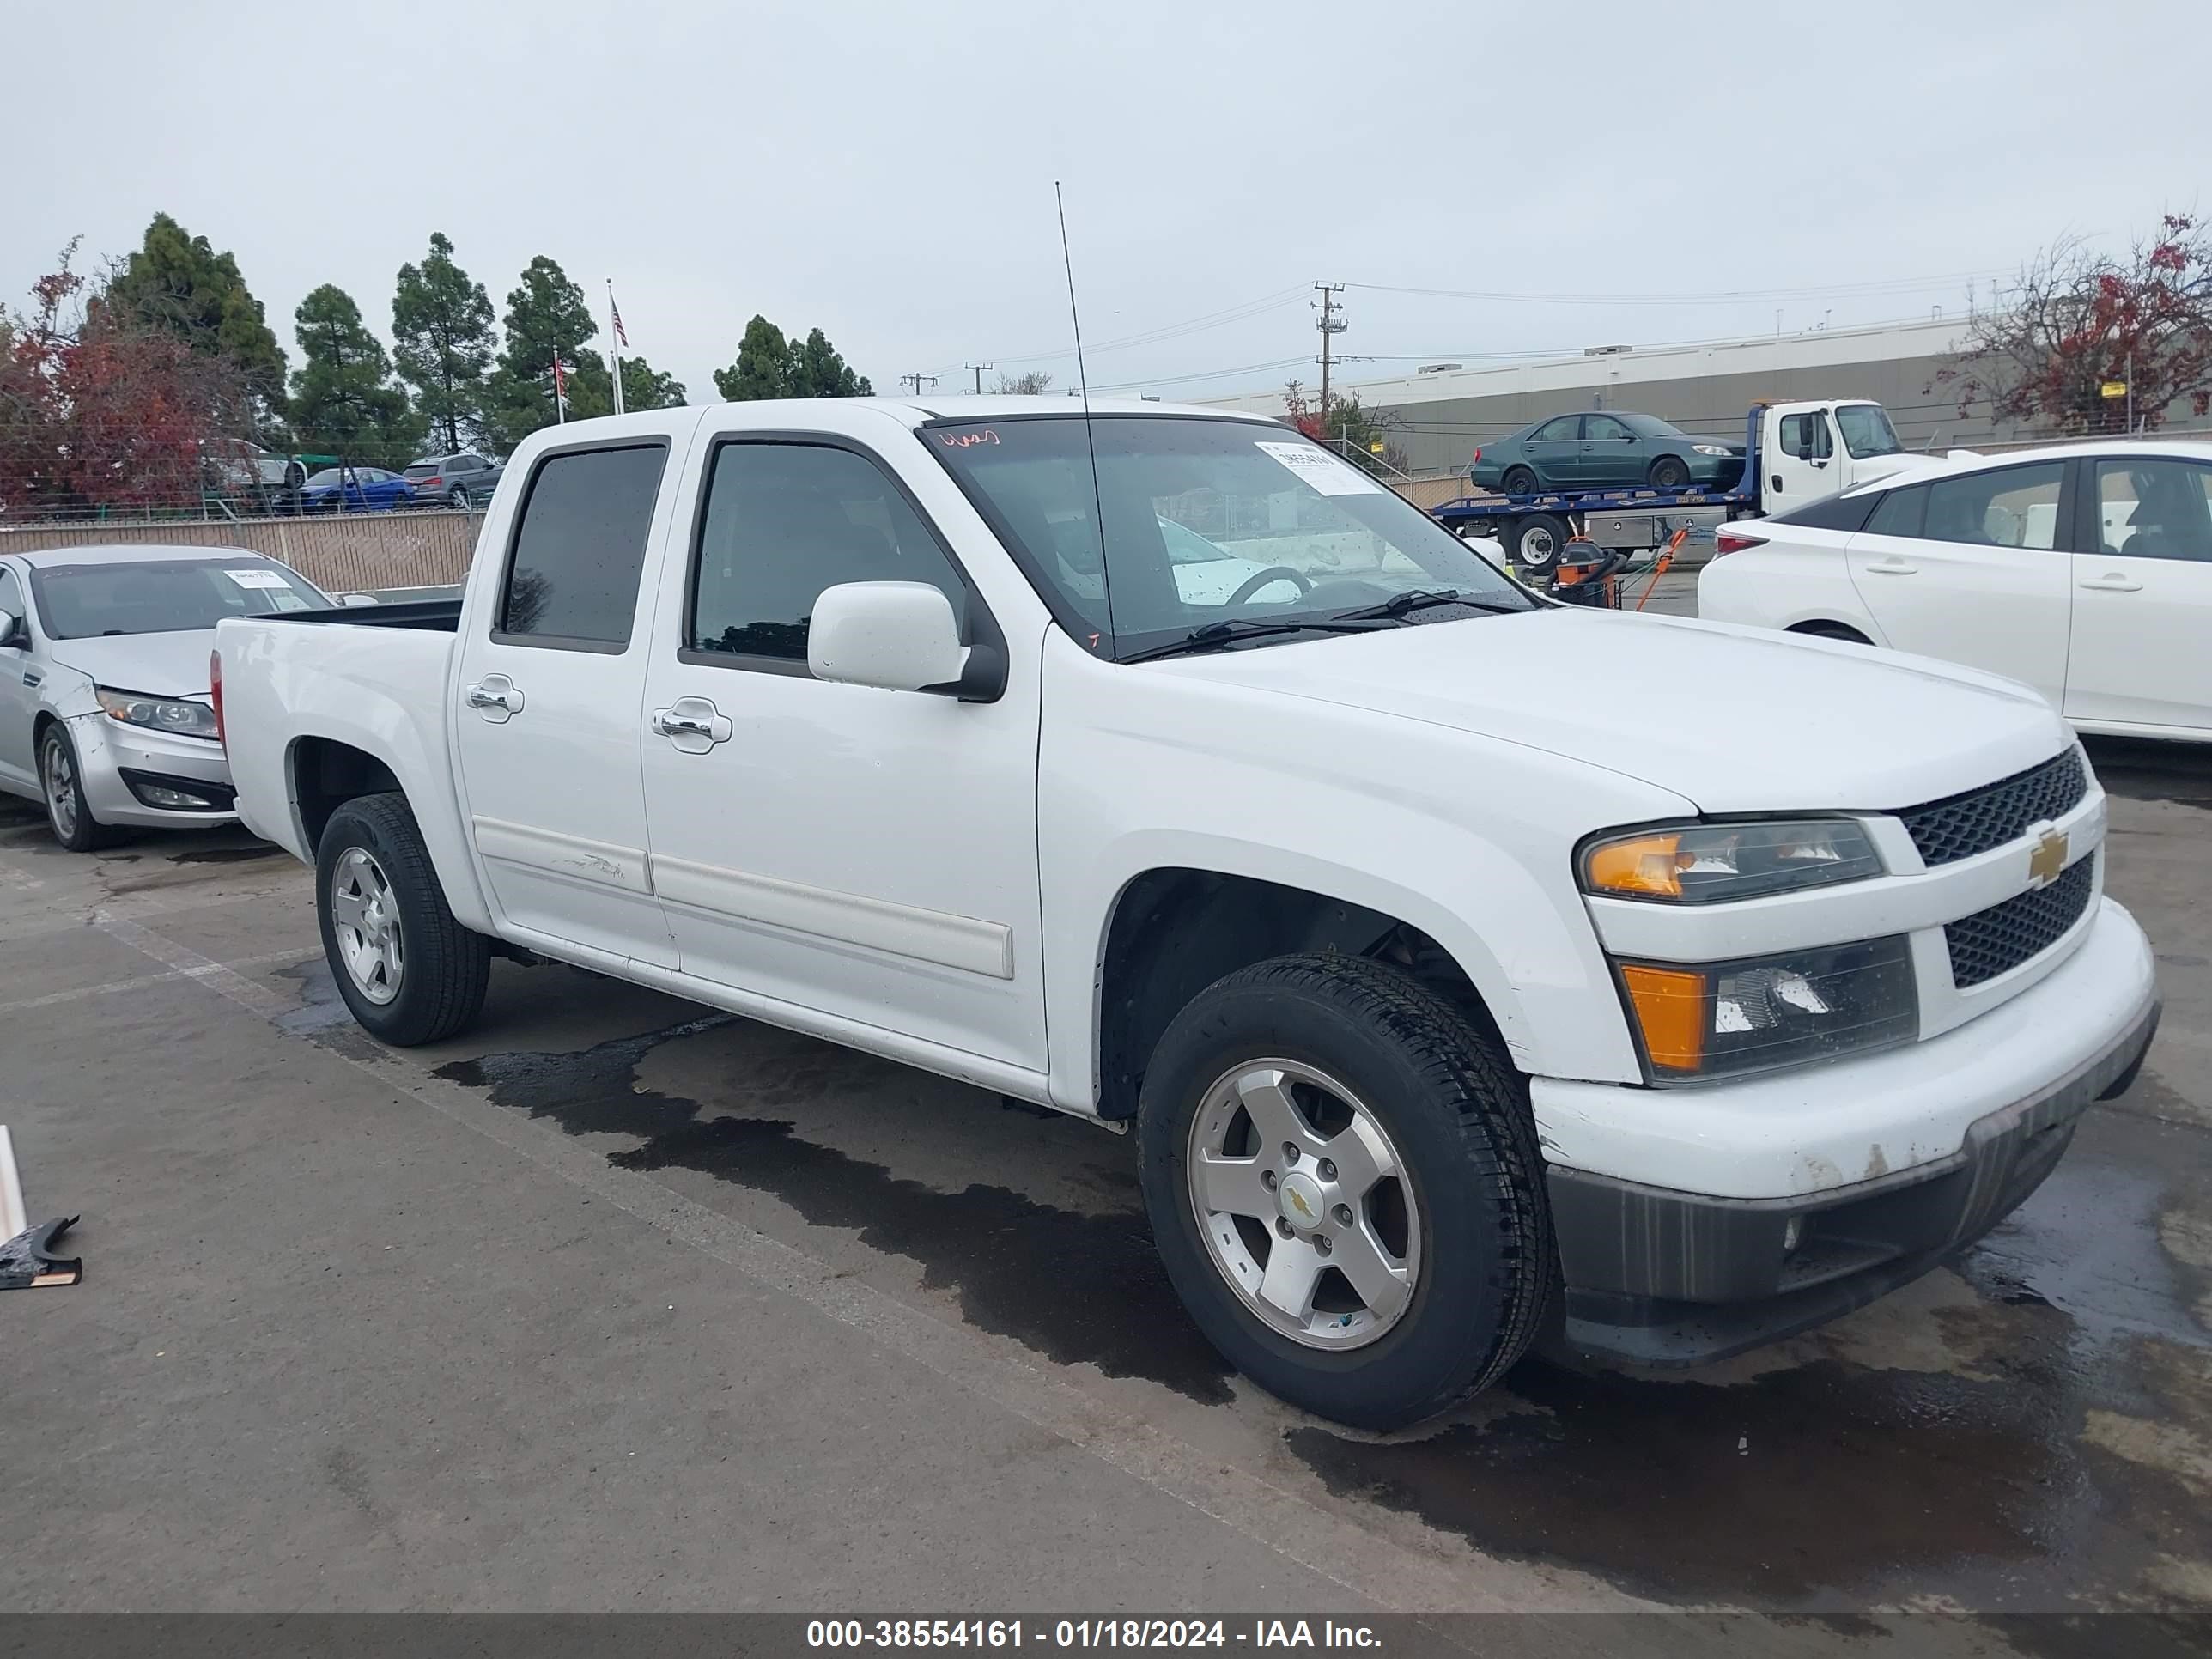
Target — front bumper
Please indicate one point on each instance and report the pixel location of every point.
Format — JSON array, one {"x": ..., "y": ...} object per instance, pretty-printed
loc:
[
  {"x": 113, "y": 757},
  {"x": 1666, "y": 1276}
]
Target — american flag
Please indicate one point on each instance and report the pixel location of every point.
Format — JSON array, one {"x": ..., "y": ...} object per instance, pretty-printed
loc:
[{"x": 620, "y": 338}]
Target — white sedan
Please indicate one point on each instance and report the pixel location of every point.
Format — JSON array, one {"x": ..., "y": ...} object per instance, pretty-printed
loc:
[{"x": 2085, "y": 571}]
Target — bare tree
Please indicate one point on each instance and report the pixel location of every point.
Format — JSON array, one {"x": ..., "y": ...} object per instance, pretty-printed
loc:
[
  {"x": 1023, "y": 386},
  {"x": 2076, "y": 321}
]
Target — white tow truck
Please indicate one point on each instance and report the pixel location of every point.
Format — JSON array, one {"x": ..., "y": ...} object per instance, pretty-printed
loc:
[{"x": 1444, "y": 1025}]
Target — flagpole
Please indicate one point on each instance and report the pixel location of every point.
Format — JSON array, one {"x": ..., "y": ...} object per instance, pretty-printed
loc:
[
  {"x": 560, "y": 402},
  {"x": 614, "y": 345}
]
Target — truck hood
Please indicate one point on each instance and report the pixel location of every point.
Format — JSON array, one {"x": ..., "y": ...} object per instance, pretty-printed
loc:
[
  {"x": 1734, "y": 720},
  {"x": 160, "y": 664}
]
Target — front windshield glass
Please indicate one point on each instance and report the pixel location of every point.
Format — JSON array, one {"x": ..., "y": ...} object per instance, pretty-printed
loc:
[
  {"x": 164, "y": 596},
  {"x": 1867, "y": 430},
  {"x": 1205, "y": 521}
]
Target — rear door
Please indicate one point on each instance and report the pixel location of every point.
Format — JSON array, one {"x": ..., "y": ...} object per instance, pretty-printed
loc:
[
  {"x": 869, "y": 854},
  {"x": 1611, "y": 453},
  {"x": 551, "y": 680},
  {"x": 1970, "y": 568},
  {"x": 2142, "y": 648},
  {"x": 1555, "y": 450}
]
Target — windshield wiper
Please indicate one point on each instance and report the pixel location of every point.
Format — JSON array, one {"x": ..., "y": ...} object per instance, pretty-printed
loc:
[
  {"x": 1420, "y": 599},
  {"x": 1228, "y": 633}
]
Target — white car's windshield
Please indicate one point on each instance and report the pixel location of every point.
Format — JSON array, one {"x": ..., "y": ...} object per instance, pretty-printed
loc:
[
  {"x": 1205, "y": 521},
  {"x": 164, "y": 596},
  {"x": 1867, "y": 430}
]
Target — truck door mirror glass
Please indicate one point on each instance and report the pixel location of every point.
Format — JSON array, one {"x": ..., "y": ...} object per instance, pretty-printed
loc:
[{"x": 900, "y": 636}]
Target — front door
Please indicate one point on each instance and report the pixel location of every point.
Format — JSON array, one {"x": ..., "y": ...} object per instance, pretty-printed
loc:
[
  {"x": 552, "y": 675},
  {"x": 869, "y": 855},
  {"x": 19, "y": 689},
  {"x": 2142, "y": 602},
  {"x": 1971, "y": 569},
  {"x": 1799, "y": 462}
]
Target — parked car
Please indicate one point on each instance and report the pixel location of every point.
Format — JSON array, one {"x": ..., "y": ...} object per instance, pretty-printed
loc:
[
  {"x": 356, "y": 489},
  {"x": 237, "y": 472},
  {"x": 2085, "y": 571},
  {"x": 463, "y": 480},
  {"x": 105, "y": 714},
  {"x": 1427, "y": 980},
  {"x": 1612, "y": 447}
]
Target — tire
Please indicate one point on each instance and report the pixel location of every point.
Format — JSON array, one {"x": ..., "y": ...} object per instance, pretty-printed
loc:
[
  {"x": 458, "y": 497},
  {"x": 1471, "y": 1223},
  {"x": 409, "y": 973},
  {"x": 1831, "y": 630},
  {"x": 1670, "y": 472},
  {"x": 61, "y": 786},
  {"x": 1536, "y": 542},
  {"x": 1520, "y": 481}
]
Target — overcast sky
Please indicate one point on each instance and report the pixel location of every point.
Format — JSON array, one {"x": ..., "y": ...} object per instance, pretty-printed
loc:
[{"x": 884, "y": 170}]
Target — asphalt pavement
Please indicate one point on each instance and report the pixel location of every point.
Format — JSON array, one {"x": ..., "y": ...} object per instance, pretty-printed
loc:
[{"x": 619, "y": 1303}]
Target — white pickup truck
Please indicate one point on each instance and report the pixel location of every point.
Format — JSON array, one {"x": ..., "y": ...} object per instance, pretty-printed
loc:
[{"x": 1735, "y": 982}]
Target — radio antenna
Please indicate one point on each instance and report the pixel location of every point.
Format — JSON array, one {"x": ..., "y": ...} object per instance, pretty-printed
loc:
[{"x": 1090, "y": 441}]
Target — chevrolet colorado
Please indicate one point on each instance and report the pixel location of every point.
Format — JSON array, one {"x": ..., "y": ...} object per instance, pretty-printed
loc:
[{"x": 1740, "y": 981}]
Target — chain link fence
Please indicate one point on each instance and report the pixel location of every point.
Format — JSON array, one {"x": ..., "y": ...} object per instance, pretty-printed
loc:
[{"x": 339, "y": 552}]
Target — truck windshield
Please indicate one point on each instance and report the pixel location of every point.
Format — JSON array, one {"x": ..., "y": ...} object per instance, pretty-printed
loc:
[
  {"x": 1205, "y": 521},
  {"x": 1867, "y": 430},
  {"x": 164, "y": 596}
]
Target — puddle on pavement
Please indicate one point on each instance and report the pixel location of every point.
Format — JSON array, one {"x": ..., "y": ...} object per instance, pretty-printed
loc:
[
  {"x": 1871, "y": 1468},
  {"x": 228, "y": 854},
  {"x": 1078, "y": 1288}
]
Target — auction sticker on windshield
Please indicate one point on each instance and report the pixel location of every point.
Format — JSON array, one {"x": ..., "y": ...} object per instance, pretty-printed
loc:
[
  {"x": 1317, "y": 467},
  {"x": 257, "y": 579}
]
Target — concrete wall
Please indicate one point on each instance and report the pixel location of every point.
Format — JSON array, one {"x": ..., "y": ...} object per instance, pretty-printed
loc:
[{"x": 338, "y": 553}]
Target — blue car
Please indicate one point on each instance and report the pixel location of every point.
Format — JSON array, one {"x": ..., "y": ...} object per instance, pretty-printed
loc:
[{"x": 354, "y": 490}]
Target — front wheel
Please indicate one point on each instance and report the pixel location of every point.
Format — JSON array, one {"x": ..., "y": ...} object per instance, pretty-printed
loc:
[
  {"x": 1669, "y": 472},
  {"x": 1343, "y": 1179},
  {"x": 408, "y": 972},
  {"x": 61, "y": 781}
]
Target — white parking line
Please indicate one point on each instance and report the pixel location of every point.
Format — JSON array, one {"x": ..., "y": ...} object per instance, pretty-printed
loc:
[
  {"x": 303, "y": 954},
  {"x": 1450, "y": 1578}
]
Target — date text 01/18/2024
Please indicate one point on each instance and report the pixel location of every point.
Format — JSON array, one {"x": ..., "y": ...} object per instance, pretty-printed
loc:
[{"x": 1086, "y": 1633}]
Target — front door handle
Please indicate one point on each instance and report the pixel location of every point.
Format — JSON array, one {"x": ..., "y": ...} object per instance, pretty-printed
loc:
[
  {"x": 2114, "y": 583},
  {"x": 494, "y": 696},
  {"x": 1891, "y": 568},
  {"x": 693, "y": 724}
]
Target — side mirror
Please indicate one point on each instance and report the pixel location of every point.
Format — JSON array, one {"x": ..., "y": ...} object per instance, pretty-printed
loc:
[{"x": 900, "y": 636}]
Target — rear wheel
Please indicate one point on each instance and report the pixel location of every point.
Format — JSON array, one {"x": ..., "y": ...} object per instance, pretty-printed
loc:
[
  {"x": 1520, "y": 481},
  {"x": 458, "y": 497},
  {"x": 1535, "y": 543},
  {"x": 1343, "y": 1179},
  {"x": 1832, "y": 630},
  {"x": 1669, "y": 472},
  {"x": 409, "y": 973}
]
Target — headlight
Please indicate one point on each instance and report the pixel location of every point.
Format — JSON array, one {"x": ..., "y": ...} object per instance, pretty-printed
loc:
[
  {"x": 186, "y": 720},
  {"x": 1728, "y": 1018},
  {"x": 1707, "y": 863},
  {"x": 1712, "y": 449}
]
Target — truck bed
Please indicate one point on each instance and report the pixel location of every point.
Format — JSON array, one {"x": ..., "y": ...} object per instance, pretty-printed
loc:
[{"x": 433, "y": 615}]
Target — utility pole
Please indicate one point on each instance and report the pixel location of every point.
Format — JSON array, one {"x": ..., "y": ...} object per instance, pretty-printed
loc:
[
  {"x": 1330, "y": 325},
  {"x": 979, "y": 368},
  {"x": 915, "y": 380}
]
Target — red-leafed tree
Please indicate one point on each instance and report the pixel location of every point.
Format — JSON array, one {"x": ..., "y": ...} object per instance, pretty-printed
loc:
[
  {"x": 98, "y": 410},
  {"x": 1347, "y": 426},
  {"x": 2077, "y": 320}
]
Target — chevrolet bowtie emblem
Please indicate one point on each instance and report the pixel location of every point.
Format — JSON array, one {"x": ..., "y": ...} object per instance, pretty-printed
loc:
[
  {"x": 2048, "y": 859},
  {"x": 1305, "y": 1208}
]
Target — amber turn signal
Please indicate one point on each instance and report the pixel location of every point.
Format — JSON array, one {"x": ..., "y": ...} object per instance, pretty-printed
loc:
[{"x": 1649, "y": 865}]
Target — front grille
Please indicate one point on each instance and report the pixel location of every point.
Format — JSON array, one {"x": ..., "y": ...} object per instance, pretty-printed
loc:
[
  {"x": 1999, "y": 939},
  {"x": 1960, "y": 826}
]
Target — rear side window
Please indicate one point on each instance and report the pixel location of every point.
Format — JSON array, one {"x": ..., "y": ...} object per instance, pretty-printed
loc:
[
  {"x": 1899, "y": 512},
  {"x": 2014, "y": 506},
  {"x": 785, "y": 520},
  {"x": 1566, "y": 426},
  {"x": 572, "y": 582}
]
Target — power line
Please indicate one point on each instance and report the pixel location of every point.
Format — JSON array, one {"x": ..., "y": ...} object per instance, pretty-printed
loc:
[
  {"x": 1825, "y": 290},
  {"x": 916, "y": 379},
  {"x": 1201, "y": 324},
  {"x": 1330, "y": 325},
  {"x": 978, "y": 368}
]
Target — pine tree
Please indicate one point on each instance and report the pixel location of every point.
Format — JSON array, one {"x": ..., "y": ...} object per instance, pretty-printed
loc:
[
  {"x": 441, "y": 343},
  {"x": 763, "y": 368},
  {"x": 177, "y": 282},
  {"x": 344, "y": 401},
  {"x": 545, "y": 313}
]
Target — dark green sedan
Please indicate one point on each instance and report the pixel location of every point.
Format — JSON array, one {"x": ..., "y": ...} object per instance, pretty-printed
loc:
[{"x": 1603, "y": 450}]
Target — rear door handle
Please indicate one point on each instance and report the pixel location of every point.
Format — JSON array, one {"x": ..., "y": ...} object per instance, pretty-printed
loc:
[
  {"x": 2115, "y": 583},
  {"x": 1891, "y": 568},
  {"x": 693, "y": 724}
]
